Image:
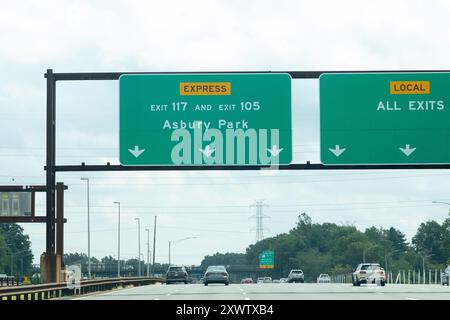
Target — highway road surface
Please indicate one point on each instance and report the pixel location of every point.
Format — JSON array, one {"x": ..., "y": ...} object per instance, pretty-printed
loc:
[{"x": 282, "y": 291}]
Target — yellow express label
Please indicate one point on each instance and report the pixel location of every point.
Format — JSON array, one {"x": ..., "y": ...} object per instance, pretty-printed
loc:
[{"x": 205, "y": 88}]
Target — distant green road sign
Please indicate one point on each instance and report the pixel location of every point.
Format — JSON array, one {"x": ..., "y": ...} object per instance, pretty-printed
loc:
[
  {"x": 385, "y": 118},
  {"x": 215, "y": 119},
  {"x": 267, "y": 260}
]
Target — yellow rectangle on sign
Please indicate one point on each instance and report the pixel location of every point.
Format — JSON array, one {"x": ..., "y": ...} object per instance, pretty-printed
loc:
[
  {"x": 205, "y": 88},
  {"x": 410, "y": 87}
]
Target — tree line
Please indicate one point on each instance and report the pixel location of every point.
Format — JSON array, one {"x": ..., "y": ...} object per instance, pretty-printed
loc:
[{"x": 337, "y": 249}]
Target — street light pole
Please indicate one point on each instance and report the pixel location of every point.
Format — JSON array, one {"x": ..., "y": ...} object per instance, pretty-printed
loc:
[
  {"x": 154, "y": 245},
  {"x": 148, "y": 251},
  {"x": 169, "y": 253},
  {"x": 177, "y": 241},
  {"x": 89, "y": 229},
  {"x": 118, "y": 241},
  {"x": 139, "y": 245},
  {"x": 364, "y": 252}
]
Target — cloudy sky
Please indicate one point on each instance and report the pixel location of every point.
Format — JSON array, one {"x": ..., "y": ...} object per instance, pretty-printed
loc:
[{"x": 82, "y": 36}]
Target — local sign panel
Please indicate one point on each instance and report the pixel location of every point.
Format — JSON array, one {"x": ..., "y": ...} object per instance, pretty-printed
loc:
[
  {"x": 267, "y": 260},
  {"x": 385, "y": 118},
  {"x": 214, "y": 119}
]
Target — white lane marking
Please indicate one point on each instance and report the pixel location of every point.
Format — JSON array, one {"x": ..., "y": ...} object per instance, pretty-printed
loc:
[
  {"x": 411, "y": 299},
  {"x": 156, "y": 299},
  {"x": 168, "y": 294},
  {"x": 244, "y": 293},
  {"x": 247, "y": 298}
]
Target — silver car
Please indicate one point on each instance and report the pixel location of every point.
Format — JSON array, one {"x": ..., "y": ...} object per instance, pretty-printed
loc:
[
  {"x": 324, "y": 278},
  {"x": 445, "y": 276},
  {"x": 216, "y": 274},
  {"x": 369, "y": 273},
  {"x": 296, "y": 275}
]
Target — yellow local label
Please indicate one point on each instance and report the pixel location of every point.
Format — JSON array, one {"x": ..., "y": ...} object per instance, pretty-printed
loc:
[
  {"x": 410, "y": 87},
  {"x": 205, "y": 88}
]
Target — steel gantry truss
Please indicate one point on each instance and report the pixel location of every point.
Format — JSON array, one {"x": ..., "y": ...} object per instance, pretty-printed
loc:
[{"x": 52, "y": 168}]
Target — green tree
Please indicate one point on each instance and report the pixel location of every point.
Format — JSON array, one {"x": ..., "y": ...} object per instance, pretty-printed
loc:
[
  {"x": 430, "y": 240},
  {"x": 19, "y": 246},
  {"x": 5, "y": 255},
  {"x": 75, "y": 258},
  {"x": 397, "y": 241},
  {"x": 224, "y": 259}
]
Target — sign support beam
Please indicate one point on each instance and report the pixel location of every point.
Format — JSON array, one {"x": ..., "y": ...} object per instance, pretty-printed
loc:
[{"x": 296, "y": 166}]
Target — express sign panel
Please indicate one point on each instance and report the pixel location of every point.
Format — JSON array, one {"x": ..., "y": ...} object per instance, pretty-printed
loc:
[
  {"x": 214, "y": 119},
  {"x": 385, "y": 118}
]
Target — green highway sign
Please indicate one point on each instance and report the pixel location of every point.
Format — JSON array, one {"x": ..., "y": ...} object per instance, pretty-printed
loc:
[
  {"x": 385, "y": 118},
  {"x": 214, "y": 119},
  {"x": 267, "y": 260}
]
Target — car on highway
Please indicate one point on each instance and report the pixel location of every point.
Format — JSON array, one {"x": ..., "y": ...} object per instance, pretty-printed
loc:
[
  {"x": 284, "y": 280},
  {"x": 267, "y": 280},
  {"x": 445, "y": 276},
  {"x": 247, "y": 280},
  {"x": 260, "y": 280},
  {"x": 296, "y": 275},
  {"x": 323, "y": 278},
  {"x": 216, "y": 274},
  {"x": 276, "y": 281},
  {"x": 177, "y": 274},
  {"x": 369, "y": 273}
]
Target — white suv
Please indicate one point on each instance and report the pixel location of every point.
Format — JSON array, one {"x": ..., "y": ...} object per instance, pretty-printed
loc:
[
  {"x": 296, "y": 275},
  {"x": 369, "y": 273}
]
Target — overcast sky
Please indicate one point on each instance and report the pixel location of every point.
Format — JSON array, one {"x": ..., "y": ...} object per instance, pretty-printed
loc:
[{"x": 81, "y": 36}]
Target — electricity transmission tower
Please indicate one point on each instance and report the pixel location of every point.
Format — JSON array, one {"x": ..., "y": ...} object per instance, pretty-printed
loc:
[{"x": 259, "y": 216}]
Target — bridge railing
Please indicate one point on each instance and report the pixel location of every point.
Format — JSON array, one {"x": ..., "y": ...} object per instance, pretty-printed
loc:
[{"x": 58, "y": 290}]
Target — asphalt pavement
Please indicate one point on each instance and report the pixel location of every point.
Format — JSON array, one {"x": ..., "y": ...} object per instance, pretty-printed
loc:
[{"x": 278, "y": 291}]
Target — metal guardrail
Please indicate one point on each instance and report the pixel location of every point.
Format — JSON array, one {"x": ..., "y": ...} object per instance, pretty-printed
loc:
[
  {"x": 58, "y": 290},
  {"x": 10, "y": 281}
]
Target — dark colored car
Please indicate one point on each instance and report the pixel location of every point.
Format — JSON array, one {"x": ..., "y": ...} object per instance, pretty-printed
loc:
[
  {"x": 216, "y": 274},
  {"x": 177, "y": 274}
]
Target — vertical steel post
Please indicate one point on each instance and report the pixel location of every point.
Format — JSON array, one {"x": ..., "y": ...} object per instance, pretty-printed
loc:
[
  {"x": 50, "y": 167},
  {"x": 60, "y": 220}
]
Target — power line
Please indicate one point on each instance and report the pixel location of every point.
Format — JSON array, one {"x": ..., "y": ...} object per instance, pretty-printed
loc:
[{"x": 184, "y": 207}]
